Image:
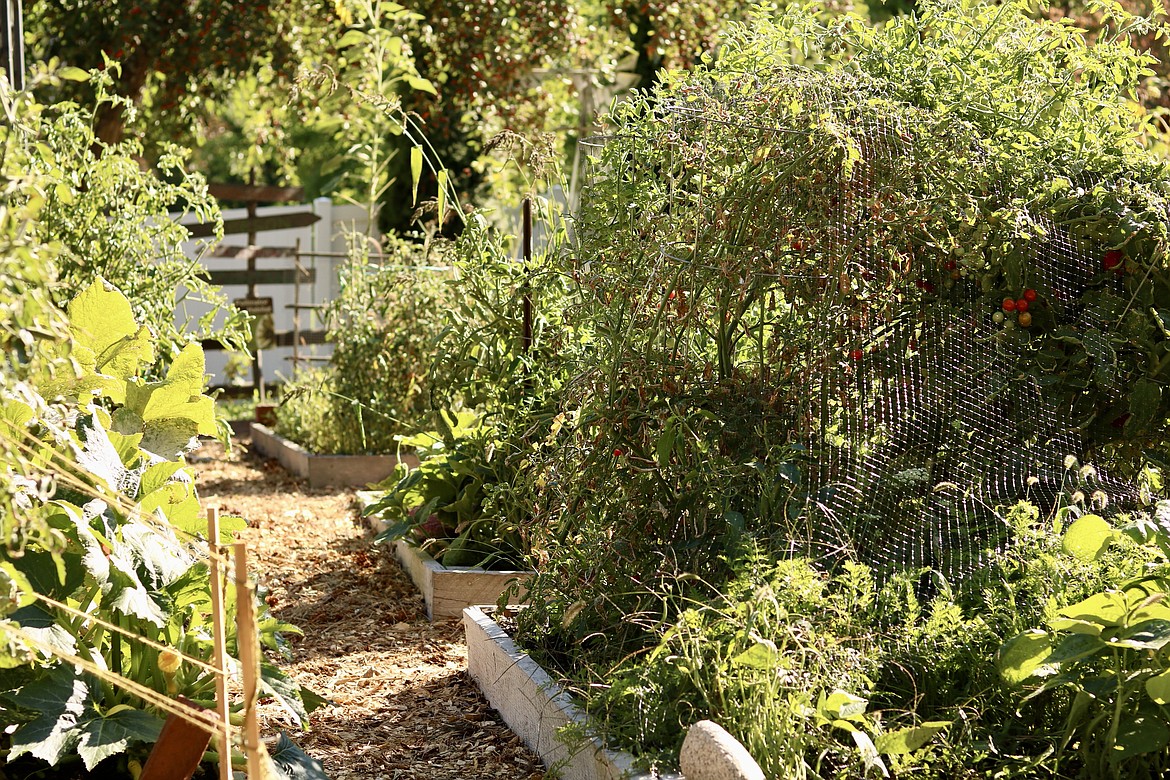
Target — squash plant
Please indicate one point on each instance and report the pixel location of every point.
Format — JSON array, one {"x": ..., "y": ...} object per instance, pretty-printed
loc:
[{"x": 99, "y": 470}]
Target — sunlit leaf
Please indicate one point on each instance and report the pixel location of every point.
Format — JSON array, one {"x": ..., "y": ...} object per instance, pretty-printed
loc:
[
  {"x": 416, "y": 166},
  {"x": 910, "y": 739},
  {"x": 1022, "y": 655},
  {"x": 1088, "y": 537}
]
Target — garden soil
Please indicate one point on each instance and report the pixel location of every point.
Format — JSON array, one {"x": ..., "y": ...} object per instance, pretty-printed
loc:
[{"x": 401, "y": 704}]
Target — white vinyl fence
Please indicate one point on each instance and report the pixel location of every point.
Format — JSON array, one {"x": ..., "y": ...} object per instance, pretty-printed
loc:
[{"x": 322, "y": 246}]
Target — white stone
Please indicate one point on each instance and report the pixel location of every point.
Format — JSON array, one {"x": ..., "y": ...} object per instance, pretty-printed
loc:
[{"x": 710, "y": 753}]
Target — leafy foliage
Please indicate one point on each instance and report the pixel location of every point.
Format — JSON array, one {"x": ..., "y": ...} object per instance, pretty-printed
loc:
[
  {"x": 96, "y": 508},
  {"x": 105, "y": 217},
  {"x": 725, "y": 257},
  {"x": 444, "y": 504},
  {"x": 170, "y": 55},
  {"x": 383, "y": 324},
  {"x": 115, "y": 566},
  {"x": 1106, "y": 651}
]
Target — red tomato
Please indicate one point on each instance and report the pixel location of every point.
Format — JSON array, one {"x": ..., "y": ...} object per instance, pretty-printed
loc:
[
  {"x": 1022, "y": 305},
  {"x": 1113, "y": 259},
  {"x": 1029, "y": 295},
  {"x": 1009, "y": 304},
  {"x": 857, "y": 354}
]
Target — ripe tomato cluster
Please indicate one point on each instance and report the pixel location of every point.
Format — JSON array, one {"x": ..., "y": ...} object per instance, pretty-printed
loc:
[{"x": 1018, "y": 306}]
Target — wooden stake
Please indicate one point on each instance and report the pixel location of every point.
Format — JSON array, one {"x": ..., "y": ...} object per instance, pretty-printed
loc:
[
  {"x": 224, "y": 732},
  {"x": 249, "y": 650}
]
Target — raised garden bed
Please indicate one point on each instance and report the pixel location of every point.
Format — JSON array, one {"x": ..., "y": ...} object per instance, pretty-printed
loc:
[
  {"x": 539, "y": 710},
  {"x": 447, "y": 590},
  {"x": 325, "y": 470}
]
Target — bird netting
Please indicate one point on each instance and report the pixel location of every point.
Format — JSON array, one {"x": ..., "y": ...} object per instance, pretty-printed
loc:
[{"x": 928, "y": 329}]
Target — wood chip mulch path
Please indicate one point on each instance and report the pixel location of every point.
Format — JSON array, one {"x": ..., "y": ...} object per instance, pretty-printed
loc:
[{"x": 401, "y": 702}]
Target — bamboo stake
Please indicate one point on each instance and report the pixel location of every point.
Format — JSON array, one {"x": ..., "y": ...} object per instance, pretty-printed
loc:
[
  {"x": 223, "y": 731},
  {"x": 249, "y": 651}
]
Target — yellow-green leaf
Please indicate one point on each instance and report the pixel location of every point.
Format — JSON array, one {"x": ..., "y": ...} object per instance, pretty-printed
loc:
[
  {"x": 1088, "y": 538},
  {"x": 421, "y": 84},
  {"x": 352, "y": 38},
  {"x": 442, "y": 177},
  {"x": 71, "y": 73},
  {"x": 1022, "y": 655},
  {"x": 761, "y": 655},
  {"x": 106, "y": 338},
  {"x": 1158, "y": 687},
  {"x": 908, "y": 740},
  {"x": 416, "y": 164}
]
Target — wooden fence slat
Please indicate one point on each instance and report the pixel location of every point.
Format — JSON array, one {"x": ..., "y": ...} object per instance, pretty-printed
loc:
[
  {"x": 282, "y": 338},
  {"x": 264, "y": 276},
  {"x": 261, "y": 193},
  {"x": 249, "y": 252},
  {"x": 219, "y": 640},
  {"x": 248, "y": 645},
  {"x": 255, "y": 225}
]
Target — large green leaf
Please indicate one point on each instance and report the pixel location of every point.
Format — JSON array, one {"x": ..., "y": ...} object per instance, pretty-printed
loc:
[
  {"x": 102, "y": 736},
  {"x": 160, "y": 557},
  {"x": 1088, "y": 538},
  {"x": 1106, "y": 609},
  {"x": 126, "y": 593},
  {"x": 160, "y": 474},
  {"x": 841, "y": 705},
  {"x": 173, "y": 410},
  {"x": 1147, "y": 635},
  {"x": 1021, "y": 656},
  {"x": 910, "y": 739},
  {"x": 108, "y": 345},
  {"x": 180, "y": 395},
  {"x": 292, "y": 763},
  {"x": 1074, "y": 647},
  {"x": 56, "y": 576},
  {"x": 1158, "y": 688},
  {"x": 761, "y": 655},
  {"x": 98, "y": 455},
  {"x": 178, "y": 505},
  {"x": 1140, "y": 733},
  {"x": 59, "y": 697},
  {"x": 42, "y": 626},
  {"x": 65, "y": 517}
]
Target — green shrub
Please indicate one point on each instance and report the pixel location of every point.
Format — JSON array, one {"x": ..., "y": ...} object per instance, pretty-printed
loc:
[
  {"x": 97, "y": 512},
  {"x": 384, "y": 325},
  {"x": 783, "y": 640},
  {"x": 106, "y": 217},
  {"x": 777, "y": 270}
]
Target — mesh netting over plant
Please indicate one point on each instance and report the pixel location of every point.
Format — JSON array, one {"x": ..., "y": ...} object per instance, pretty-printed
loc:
[{"x": 936, "y": 328}]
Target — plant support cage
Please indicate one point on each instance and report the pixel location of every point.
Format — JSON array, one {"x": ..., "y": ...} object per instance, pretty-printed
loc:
[{"x": 848, "y": 260}]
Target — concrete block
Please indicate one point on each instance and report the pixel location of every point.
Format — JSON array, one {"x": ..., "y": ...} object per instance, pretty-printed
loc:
[
  {"x": 537, "y": 709},
  {"x": 325, "y": 470},
  {"x": 709, "y": 752},
  {"x": 448, "y": 589}
]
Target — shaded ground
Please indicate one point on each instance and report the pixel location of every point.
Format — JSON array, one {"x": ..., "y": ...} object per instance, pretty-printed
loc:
[{"x": 402, "y": 704}]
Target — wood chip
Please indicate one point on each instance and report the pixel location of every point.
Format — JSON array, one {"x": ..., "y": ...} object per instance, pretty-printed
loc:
[{"x": 403, "y": 705}]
